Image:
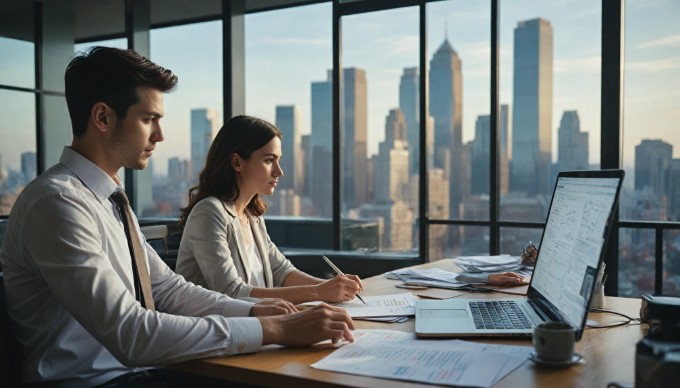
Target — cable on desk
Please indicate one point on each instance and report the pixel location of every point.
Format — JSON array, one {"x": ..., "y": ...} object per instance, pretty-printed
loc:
[{"x": 613, "y": 324}]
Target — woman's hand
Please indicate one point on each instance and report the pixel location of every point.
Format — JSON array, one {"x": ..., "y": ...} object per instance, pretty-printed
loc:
[{"x": 341, "y": 288}]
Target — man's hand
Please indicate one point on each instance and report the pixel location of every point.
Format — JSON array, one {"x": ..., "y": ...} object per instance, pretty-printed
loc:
[
  {"x": 316, "y": 324},
  {"x": 339, "y": 289},
  {"x": 273, "y": 306}
]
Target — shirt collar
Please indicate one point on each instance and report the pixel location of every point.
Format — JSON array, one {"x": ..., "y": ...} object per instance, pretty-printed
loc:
[{"x": 98, "y": 181}]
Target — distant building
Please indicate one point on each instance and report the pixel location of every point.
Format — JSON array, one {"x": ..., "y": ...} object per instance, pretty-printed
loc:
[
  {"x": 28, "y": 166},
  {"x": 204, "y": 125},
  {"x": 572, "y": 146},
  {"x": 392, "y": 162},
  {"x": 481, "y": 157},
  {"x": 674, "y": 190},
  {"x": 409, "y": 104},
  {"x": 355, "y": 135},
  {"x": 652, "y": 161},
  {"x": 532, "y": 107},
  {"x": 321, "y": 142},
  {"x": 446, "y": 107},
  {"x": 288, "y": 121}
]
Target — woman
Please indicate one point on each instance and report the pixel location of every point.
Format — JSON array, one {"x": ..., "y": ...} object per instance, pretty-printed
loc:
[{"x": 225, "y": 246}]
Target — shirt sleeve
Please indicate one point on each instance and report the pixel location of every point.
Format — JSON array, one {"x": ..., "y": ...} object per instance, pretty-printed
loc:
[
  {"x": 208, "y": 234},
  {"x": 73, "y": 265}
]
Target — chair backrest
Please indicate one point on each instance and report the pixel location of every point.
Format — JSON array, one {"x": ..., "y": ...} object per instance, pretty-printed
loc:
[{"x": 10, "y": 352}]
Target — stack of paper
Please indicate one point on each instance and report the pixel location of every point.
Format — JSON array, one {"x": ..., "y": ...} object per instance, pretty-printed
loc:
[
  {"x": 397, "y": 355},
  {"x": 430, "y": 277},
  {"x": 478, "y": 268}
]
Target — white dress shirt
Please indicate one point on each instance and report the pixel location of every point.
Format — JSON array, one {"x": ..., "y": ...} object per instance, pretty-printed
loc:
[{"x": 70, "y": 294}]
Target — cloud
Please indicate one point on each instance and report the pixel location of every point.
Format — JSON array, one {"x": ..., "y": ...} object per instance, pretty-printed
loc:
[
  {"x": 587, "y": 65},
  {"x": 673, "y": 40},
  {"x": 653, "y": 65}
]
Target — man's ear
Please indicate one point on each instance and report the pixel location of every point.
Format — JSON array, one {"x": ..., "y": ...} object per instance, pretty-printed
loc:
[
  {"x": 102, "y": 116},
  {"x": 235, "y": 162}
]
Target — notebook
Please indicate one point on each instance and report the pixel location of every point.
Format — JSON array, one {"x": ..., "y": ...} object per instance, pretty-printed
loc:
[{"x": 569, "y": 256}]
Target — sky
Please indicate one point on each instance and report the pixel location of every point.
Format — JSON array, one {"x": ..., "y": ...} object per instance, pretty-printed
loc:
[{"x": 286, "y": 50}]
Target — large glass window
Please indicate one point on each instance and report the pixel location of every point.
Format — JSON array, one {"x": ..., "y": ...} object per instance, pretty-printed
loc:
[
  {"x": 17, "y": 48},
  {"x": 651, "y": 142},
  {"x": 379, "y": 116},
  {"x": 288, "y": 54},
  {"x": 193, "y": 113},
  {"x": 550, "y": 55},
  {"x": 17, "y": 150},
  {"x": 458, "y": 129}
]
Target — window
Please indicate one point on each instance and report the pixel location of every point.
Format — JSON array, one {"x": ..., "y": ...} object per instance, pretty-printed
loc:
[
  {"x": 459, "y": 130},
  {"x": 651, "y": 145},
  {"x": 550, "y": 57},
  {"x": 193, "y": 114},
  {"x": 288, "y": 53},
  {"x": 379, "y": 116}
]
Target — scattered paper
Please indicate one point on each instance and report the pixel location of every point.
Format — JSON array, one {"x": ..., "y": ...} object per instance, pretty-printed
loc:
[{"x": 398, "y": 355}]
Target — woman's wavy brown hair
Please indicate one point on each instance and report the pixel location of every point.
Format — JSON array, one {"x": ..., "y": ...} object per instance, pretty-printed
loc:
[{"x": 241, "y": 135}]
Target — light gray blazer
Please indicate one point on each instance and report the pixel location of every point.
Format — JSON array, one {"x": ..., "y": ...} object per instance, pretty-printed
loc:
[{"x": 211, "y": 253}]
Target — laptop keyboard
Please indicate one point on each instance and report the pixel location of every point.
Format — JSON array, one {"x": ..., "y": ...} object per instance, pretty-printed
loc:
[{"x": 498, "y": 315}]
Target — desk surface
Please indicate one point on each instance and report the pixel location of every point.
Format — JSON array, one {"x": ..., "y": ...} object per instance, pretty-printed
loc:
[{"x": 609, "y": 353}]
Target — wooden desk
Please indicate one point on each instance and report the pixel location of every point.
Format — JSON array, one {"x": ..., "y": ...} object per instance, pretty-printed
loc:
[{"x": 609, "y": 353}]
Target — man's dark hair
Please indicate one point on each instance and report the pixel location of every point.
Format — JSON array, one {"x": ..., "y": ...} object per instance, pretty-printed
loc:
[{"x": 112, "y": 76}]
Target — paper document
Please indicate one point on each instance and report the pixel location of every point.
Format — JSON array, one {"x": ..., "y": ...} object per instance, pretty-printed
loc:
[
  {"x": 398, "y": 355},
  {"x": 382, "y": 306},
  {"x": 432, "y": 277}
]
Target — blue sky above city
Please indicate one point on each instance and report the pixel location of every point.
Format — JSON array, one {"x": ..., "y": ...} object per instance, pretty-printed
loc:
[{"x": 286, "y": 50}]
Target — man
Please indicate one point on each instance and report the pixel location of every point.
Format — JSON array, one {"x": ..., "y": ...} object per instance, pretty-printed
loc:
[{"x": 70, "y": 287}]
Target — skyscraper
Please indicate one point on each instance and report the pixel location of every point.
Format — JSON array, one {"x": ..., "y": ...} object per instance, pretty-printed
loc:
[
  {"x": 355, "y": 133},
  {"x": 204, "y": 124},
  {"x": 532, "y": 107},
  {"x": 409, "y": 104},
  {"x": 505, "y": 152},
  {"x": 28, "y": 166},
  {"x": 320, "y": 181},
  {"x": 479, "y": 176},
  {"x": 288, "y": 121},
  {"x": 652, "y": 161},
  {"x": 446, "y": 107},
  {"x": 572, "y": 147},
  {"x": 392, "y": 164}
]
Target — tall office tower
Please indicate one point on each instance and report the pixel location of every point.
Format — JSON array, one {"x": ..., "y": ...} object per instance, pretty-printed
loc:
[
  {"x": 409, "y": 103},
  {"x": 28, "y": 166},
  {"x": 288, "y": 120},
  {"x": 321, "y": 155},
  {"x": 284, "y": 202},
  {"x": 532, "y": 107},
  {"x": 504, "y": 152},
  {"x": 204, "y": 124},
  {"x": 143, "y": 180},
  {"x": 572, "y": 147},
  {"x": 480, "y": 174},
  {"x": 305, "y": 154},
  {"x": 674, "y": 190},
  {"x": 446, "y": 107},
  {"x": 354, "y": 147},
  {"x": 392, "y": 162},
  {"x": 652, "y": 160},
  {"x": 354, "y": 135}
]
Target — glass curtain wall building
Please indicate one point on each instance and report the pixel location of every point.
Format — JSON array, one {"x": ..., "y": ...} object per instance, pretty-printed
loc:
[{"x": 412, "y": 130}]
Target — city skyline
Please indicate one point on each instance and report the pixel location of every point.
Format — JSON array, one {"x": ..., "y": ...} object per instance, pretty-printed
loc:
[{"x": 648, "y": 63}]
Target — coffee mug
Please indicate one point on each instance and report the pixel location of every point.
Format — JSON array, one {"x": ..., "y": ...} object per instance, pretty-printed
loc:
[{"x": 554, "y": 341}]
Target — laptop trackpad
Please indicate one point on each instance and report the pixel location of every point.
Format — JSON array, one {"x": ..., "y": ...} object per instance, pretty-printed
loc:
[{"x": 447, "y": 314}]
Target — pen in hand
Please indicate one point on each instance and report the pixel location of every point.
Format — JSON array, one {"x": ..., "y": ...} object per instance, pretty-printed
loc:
[{"x": 337, "y": 270}]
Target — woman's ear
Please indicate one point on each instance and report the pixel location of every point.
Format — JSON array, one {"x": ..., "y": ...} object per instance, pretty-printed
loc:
[{"x": 235, "y": 162}]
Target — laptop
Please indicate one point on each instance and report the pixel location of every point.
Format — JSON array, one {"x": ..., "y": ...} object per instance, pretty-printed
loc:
[{"x": 569, "y": 257}]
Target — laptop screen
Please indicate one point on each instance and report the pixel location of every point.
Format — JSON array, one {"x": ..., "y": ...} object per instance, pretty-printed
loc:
[{"x": 573, "y": 242}]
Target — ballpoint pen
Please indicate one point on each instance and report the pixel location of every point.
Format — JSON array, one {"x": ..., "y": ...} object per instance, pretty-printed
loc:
[{"x": 337, "y": 270}]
